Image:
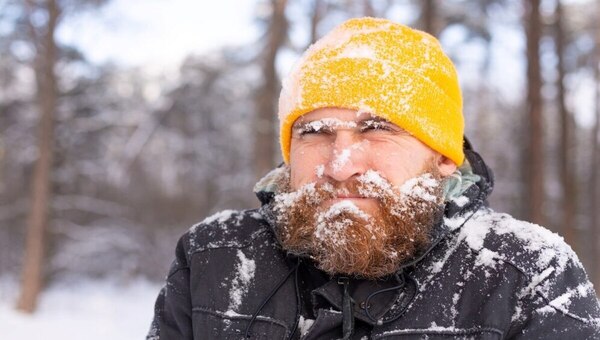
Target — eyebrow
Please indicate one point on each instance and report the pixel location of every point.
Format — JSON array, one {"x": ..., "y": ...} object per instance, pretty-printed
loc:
[
  {"x": 323, "y": 123},
  {"x": 375, "y": 119},
  {"x": 327, "y": 123},
  {"x": 301, "y": 122}
]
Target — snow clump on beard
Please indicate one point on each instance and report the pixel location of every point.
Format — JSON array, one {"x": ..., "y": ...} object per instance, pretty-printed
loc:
[{"x": 343, "y": 239}]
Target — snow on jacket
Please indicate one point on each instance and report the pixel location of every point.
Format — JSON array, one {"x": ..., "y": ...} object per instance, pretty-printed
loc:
[{"x": 486, "y": 275}]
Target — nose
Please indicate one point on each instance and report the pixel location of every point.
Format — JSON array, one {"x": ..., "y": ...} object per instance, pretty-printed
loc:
[{"x": 346, "y": 157}]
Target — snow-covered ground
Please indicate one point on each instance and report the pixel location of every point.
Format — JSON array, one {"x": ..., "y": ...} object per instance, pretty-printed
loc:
[{"x": 81, "y": 310}]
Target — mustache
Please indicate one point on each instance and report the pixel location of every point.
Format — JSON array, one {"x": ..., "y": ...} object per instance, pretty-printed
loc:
[
  {"x": 337, "y": 189},
  {"x": 368, "y": 185}
]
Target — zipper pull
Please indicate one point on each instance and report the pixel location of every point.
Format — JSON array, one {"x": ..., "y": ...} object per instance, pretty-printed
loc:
[{"x": 347, "y": 309}]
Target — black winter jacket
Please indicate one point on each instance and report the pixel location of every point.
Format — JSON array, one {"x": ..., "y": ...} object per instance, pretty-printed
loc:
[{"x": 485, "y": 276}]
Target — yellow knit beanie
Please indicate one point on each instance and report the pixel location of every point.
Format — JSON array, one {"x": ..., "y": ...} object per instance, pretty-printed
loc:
[{"x": 383, "y": 68}]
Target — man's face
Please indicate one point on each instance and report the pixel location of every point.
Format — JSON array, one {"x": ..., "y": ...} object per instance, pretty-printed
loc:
[
  {"x": 339, "y": 145},
  {"x": 360, "y": 195}
]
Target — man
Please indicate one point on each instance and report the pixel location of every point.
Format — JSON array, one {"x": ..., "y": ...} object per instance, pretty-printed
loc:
[{"x": 377, "y": 225}]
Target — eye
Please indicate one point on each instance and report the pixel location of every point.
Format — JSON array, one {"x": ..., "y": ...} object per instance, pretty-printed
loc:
[
  {"x": 308, "y": 129},
  {"x": 312, "y": 128},
  {"x": 376, "y": 125}
]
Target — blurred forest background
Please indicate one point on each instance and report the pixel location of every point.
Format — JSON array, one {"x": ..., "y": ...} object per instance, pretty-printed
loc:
[{"x": 103, "y": 166}]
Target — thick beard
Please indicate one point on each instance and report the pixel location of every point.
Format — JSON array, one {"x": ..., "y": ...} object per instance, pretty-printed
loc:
[{"x": 344, "y": 240}]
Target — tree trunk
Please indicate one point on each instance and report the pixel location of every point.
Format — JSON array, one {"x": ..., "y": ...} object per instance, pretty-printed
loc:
[
  {"x": 33, "y": 265},
  {"x": 264, "y": 127},
  {"x": 368, "y": 9},
  {"x": 534, "y": 149},
  {"x": 429, "y": 17},
  {"x": 567, "y": 149},
  {"x": 317, "y": 14},
  {"x": 594, "y": 186}
]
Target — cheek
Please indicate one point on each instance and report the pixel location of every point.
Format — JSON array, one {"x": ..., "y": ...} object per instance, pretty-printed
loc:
[
  {"x": 388, "y": 156},
  {"x": 395, "y": 164},
  {"x": 305, "y": 166}
]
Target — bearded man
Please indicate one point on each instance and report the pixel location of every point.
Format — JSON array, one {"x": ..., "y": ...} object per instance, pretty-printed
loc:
[{"x": 377, "y": 224}]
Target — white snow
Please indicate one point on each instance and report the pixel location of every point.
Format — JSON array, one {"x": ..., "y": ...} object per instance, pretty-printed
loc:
[
  {"x": 241, "y": 282},
  {"x": 454, "y": 222},
  {"x": 358, "y": 51},
  {"x": 546, "y": 245},
  {"x": 256, "y": 215},
  {"x": 437, "y": 266},
  {"x": 552, "y": 254},
  {"x": 304, "y": 325},
  {"x": 535, "y": 238},
  {"x": 320, "y": 170},
  {"x": 328, "y": 123},
  {"x": 435, "y": 327},
  {"x": 345, "y": 206},
  {"x": 536, "y": 280},
  {"x": 364, "y": 108},
  {"x": 417, "y": 187},
  {"x": 375, "y": 186},
  {"x": 432, "y": 328},
  {"x": 334, "y": 231},
  {"x": 341, "y": 159},
  {"x": 563, "y": 301},
  {"x": 220, "y": 217},
  {"x": 232, "y": 313},
  {"x": 460, "y": 201},
  {"x": 86, "y": 309},
  {"x": 453, "y": 310},
  {"x": 372, "y": 182},
  {"x": 286, "y": 200},
  {"x": 487, "y": 258}
]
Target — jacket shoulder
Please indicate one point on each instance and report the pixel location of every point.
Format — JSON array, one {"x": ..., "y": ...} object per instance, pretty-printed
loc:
[
  {"x": 226, "y": 229},
  {"x": 553, "y": 274},
  {"x": 529, "y": 247}
]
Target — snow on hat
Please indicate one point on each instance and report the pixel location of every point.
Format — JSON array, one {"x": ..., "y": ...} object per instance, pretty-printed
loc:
[{"x": 384, "y": 68}]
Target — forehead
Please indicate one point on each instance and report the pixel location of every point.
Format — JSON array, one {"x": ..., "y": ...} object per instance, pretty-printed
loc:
[{"x": 347, "y": 115}]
